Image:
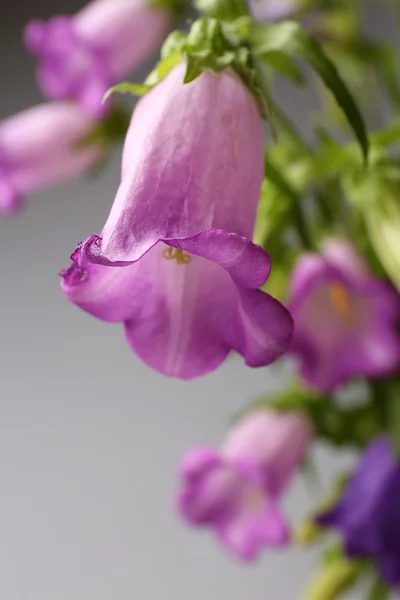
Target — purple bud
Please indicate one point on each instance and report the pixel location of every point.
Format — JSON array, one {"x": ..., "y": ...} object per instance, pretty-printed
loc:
[{"x": 42, "y": 146}]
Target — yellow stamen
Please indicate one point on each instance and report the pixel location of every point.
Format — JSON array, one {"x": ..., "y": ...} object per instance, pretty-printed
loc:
[
  {"x": 177, "y": 254},
  {"x": 340, "y": 299}
]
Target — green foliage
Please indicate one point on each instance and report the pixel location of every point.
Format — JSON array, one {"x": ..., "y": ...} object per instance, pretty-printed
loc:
[
  {"x": 209, "y": 47},
  {"x": 292, "y": 39},
  {"x": 176, "y": 7},
  {"x": 310, "y": 531},
  {"x": 164, "y": 66},
  {"x": 225, "y": 10},
  {"x": 135, "y": 89},
  {"x": 376, "y": 196},
  {"x": 333, "y": 579},
  {"x": 379, "y": 590},
  {"x": 337, "y": 425},
  {"x": 285, "y": 65},
  {"x": 111, "y": 129}
]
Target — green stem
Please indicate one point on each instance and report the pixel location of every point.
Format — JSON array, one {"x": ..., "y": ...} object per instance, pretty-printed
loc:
[{"x": 274, "y": 175}]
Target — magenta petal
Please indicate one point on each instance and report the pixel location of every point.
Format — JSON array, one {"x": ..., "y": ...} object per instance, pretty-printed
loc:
[
  {"x": 183, "y": 320},
  {"x": 81, "y": 56},
  {"x": 42, "y": 146},
  {"x": 178, "y": 234},
  {"x": 247, "y": 263},
  {"x": 345, "y": 319},
  {"x": 210, "y": 488},
  {"x": 192, "y": 161},
  {"x": 250, "y": 531},
  {"x": 10, "y": 199},
  {"x": 187, "y": 326},
  {"x": 100, "y": 291},
  {"x": 197, "y": 461}
]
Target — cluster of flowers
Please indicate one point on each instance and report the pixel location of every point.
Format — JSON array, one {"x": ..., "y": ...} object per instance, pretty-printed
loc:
[
  {"x": 80, "y": 57},
  {"x": 176, "y": 264}
]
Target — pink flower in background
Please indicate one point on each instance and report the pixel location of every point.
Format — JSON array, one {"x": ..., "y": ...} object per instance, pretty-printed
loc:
[
  {"x": 175, "y": 262},
  {"x": 271, "y": 10},
  {"x": 81, "y": 56},
  {"x": 346, "y": 320},
  {"x": 236, "y": 491},
  {"x": 42, "y": 146}
]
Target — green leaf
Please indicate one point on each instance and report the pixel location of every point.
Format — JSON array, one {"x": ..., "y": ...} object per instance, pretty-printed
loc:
[
  {"x": 388, "y": 61},
  {"x": 333, "y": 579},
  {"x": 340, "y": 426},
  {"x": 176, "y": 7},
  {"x": 194, "y": 66},
  {"x": 110, "y": 130},
  {"x": 292, "y": 39},
  {"x": 173, "y": 44},
  {"x": 388, "y": 135},
  {"x": 163, "y": 68},
  {"x": 379, "y": 590},
  {"x": 226, "y": 10},
  {"x": 286, "y": 66},
  {"x": 135, "y": 89},
  {"x": 278, "y": 179}
]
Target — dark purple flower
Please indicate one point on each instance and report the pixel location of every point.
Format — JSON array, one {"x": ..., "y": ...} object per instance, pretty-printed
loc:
[
  {"x": 368, "y": 515},
  {"x": 80, "y": 57},
  {"x": 345, "y": 319},
  {"x": 236, "y": 491},
  {"x": 174, "y": 261},
  {"x": 42, "y": 146}
]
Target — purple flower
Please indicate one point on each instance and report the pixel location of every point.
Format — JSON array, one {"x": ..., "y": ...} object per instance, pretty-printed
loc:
[
  {"x": 345, "y": 319},
  {"x": 174, "y": 261},
  {"x": 271, "y": 10},
  {"x": 236, "y": 491},
  {"x": 40, "y": 147},
  {"x": 80, "y": 57},
  {"x": 368, "y": 515}
]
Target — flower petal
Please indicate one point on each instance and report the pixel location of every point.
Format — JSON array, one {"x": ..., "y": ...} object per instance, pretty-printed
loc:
[
  {"x": 356, "y": 513},
  {"x": 110, "y": 25},
  {"x": 193, "y": 160},
  {"x": 211, "y": 489},
  {"x": 104, "y": 292},
  {"x": 185, "y": 318},
  {"x": 249, "y": 531}
]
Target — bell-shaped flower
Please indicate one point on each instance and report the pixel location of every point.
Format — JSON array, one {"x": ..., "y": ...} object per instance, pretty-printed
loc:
[
  {"x": 81, "y": 56},
  {"x": 345, "y": 318},
  {"x": 236, "y": 491},
  {"x": 42, "y": 146},
  {"x": 175, "y": 261},
  {"x": 368, "y": 515}
]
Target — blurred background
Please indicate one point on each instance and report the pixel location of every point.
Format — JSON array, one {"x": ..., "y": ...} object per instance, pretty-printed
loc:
[{"x": 89, "y": 436}]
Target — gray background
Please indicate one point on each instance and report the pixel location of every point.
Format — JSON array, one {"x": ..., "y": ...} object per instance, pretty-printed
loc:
[{"x": 89, "y": 436}]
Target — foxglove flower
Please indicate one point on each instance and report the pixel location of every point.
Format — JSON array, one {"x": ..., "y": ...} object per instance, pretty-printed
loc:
[
  {"x": 236, "y": 491},
  {"x": 174, "y": 261},
  {"x": 345, "y": 319},
  {"x": 40, "y": 147},
  {"x": 271, "y": 10},
  {"x": 368, "y": 515},
  {"x": 81, "y": 56}
]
